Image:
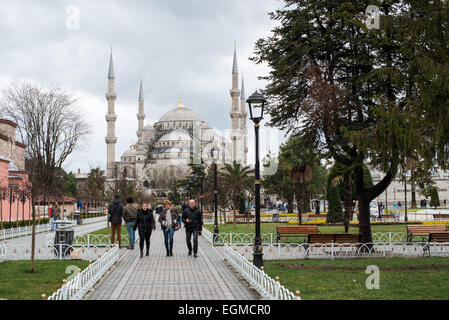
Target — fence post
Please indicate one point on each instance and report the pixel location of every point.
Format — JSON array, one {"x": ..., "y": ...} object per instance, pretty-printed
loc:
[
  {"x": 277, "y": 287},
  {"x": 332, "y": 249},
  {"x": 389, "y": 237},
  {"x": 88, "y": 240}
]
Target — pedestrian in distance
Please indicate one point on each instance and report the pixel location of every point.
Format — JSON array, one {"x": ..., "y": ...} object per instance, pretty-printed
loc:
[
  {"x": 130, "y": 215},
  {"x": 115, "y": 216},
  {"x": 168, "y": 219},
  {"x": 193, "y": 220},
  {"x": 146, "y": 224},
  {"x": 55, "y": 215}
]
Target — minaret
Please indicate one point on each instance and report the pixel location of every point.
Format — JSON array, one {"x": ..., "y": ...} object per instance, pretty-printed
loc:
[
  {"x": 140, "y": 115},
  {"x": 111, "y": 117},
  {"x": 235, "y": 113},
  {"x": 243, "y": 116}
]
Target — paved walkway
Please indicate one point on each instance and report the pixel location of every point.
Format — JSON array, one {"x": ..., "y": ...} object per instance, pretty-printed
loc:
[{"x": 180, "y": 277}]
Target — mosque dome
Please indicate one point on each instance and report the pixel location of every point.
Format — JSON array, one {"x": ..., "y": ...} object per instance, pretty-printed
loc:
[{"x": 180, "y": 113}]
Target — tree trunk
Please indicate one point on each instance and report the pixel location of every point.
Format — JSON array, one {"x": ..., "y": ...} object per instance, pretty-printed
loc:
[
  {"x": 290, "y": 204},
  {"x": 235, "y": 214},
  {"x": 348, "y": 206},
  {"x": 307, "y": 199},
  {"x": 364, "y": 218},
  {"x": 413, "y": 190},
  {"x": 33, "y": 233},
  {"x": 300, "y": 200}
]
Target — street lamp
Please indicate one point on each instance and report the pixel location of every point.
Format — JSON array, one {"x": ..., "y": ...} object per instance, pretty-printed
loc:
[
  {"x": 256, "y": 103},
  {"x": 214, "y": 154},
  {"x": 202, "y": 167}
]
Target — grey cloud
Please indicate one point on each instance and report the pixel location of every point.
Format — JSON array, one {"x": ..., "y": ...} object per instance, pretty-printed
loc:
[{"x": 178, "y": 46}]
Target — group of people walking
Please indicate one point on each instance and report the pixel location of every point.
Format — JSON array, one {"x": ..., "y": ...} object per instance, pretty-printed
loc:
[{"x": 143, "y": 220}]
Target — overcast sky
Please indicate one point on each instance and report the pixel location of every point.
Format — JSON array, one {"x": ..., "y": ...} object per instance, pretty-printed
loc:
[{"x": 177, "y": 46}]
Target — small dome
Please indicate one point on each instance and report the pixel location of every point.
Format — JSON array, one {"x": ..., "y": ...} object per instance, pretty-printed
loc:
[
  {"x": 129, "y": 153},
  {"x": 175, "y": 135},
  {"x": 148, "y": 127}
]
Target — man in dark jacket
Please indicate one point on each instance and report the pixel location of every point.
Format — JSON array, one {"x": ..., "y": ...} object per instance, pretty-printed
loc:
[
  {"x": 193, "y": 220},
  {"x": 115, "y": 214}
]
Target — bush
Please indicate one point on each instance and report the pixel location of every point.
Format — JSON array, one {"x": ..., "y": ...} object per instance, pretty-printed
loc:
[
  {"x": 335, "y": 212},
  {"x": 434, "y": 200},
  {"x": 13, "y": 224}
]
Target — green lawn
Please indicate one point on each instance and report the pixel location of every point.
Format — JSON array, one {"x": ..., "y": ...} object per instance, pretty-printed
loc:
[
  {"x": 350, "y": 284},
  {"x": 17, "y": 283}
]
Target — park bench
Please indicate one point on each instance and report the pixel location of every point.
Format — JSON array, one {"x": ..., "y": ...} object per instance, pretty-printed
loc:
[
  {"x": 332, "y": 243},
  {"x": 295, "y": 231},
  {"x": 388, "y": 217},
  {"x": 439, "y": 237},
  {"x": 424, "y": 230},
  {"x": 243, "y": 216},
  {"x": 441, "y": 216},
  {"x": 335, "y": 238}
]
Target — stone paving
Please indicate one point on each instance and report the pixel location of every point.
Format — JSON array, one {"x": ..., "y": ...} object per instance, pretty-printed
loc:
[{"x": 180, "y": 277}]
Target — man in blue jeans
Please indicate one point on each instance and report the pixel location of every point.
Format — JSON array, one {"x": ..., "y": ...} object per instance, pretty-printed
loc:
[
  {"x": 130, "y": 215},
  {"x": 55, "y": 214}
]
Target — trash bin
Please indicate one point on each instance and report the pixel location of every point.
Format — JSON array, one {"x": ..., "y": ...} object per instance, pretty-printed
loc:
[
  {"x": 276, "y": 217},
  {"x": 77, "y": 217},
  {"x": 63, "y": 242}
]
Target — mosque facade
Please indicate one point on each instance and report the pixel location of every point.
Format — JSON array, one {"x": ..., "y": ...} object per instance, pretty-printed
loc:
[{"x": 163, "y": 150}]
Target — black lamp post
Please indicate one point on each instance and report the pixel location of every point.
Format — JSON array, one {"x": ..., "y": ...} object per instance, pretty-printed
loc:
[
  {"x": 202, "y": 167},
  {"x": 216, "y": 231},
  {"x": 256, "y": 104}
]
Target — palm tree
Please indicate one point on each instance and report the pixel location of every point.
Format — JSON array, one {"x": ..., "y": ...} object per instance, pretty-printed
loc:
[
  {"x": 299, "y": 157},
  {"x": 238, "y": 180}
]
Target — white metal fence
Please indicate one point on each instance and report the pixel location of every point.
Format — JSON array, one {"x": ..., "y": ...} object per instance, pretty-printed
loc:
[
  {"x": 27, "y": 230},
  {"x": 87, "y": 278},
  {"x": 54, "y": 252},
  {"x": 271, "y": 238},
  {"x": 267, "y": 287},
  {"x": 346, "y": 250}
]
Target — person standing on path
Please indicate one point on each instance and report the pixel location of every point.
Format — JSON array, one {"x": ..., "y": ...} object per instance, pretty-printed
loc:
[
  {"x": 130, "y": 215},
  {"x": 55, "y": 214},
  {"x": 168, "y": 218},
  {"x": 193, "y": 220},
  {"x": 115, "y": 215},
  {"x": 146, "y": 224}
]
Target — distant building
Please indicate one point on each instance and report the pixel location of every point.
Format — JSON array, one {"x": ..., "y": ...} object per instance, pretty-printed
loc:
[
  {"x": 15, "y": 204},
  {"x": 396, "y": 190}
]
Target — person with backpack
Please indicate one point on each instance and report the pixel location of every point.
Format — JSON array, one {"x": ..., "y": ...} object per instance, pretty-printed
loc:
[
  {"x": 130, "y": 215},
  {"x": 115, "y": 216}
]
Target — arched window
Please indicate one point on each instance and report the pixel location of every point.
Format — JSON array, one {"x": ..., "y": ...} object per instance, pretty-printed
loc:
[{"x": 146, "y": 184}]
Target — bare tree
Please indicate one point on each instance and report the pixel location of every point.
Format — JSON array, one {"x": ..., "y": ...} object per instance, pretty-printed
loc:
[{"x": 51, "y": 127}]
